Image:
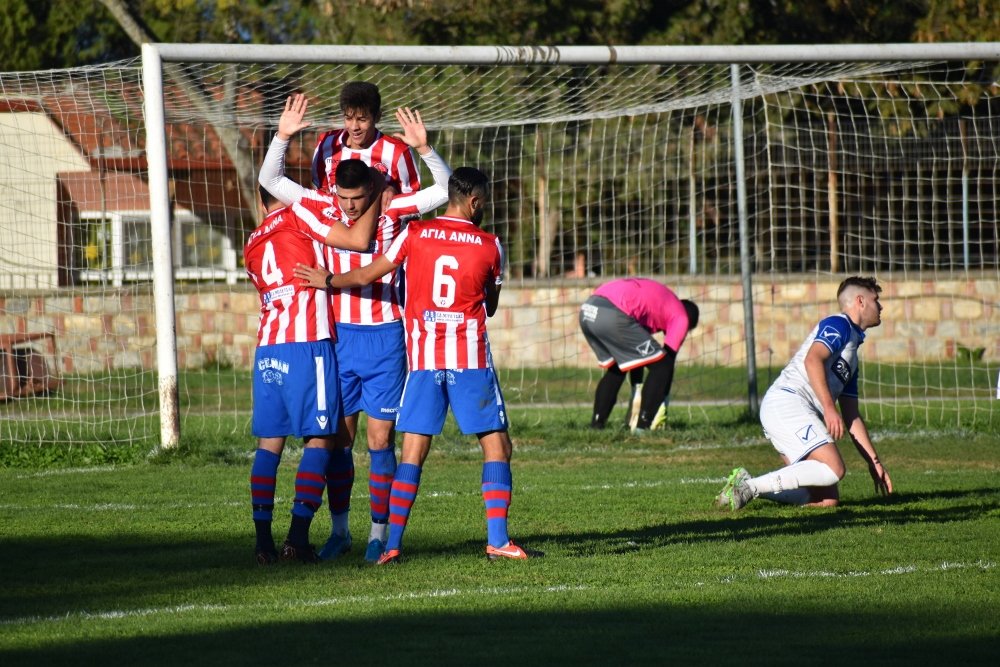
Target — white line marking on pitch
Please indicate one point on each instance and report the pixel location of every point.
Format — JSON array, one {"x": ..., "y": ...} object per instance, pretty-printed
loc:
[
  {"x": 66, "y": 471},
  {"x": 115, "y": 614},
  {"x": 902, "y": 569}
]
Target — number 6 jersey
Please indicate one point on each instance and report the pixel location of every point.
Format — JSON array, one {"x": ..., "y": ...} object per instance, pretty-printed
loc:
[{"x": 448, "y": 262}]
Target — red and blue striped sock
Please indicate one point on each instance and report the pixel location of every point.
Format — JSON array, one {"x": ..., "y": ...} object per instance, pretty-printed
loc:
[
  {"x": 263, "y": 477},
  {"x": 309, "y": 482},
  {"x": 497, "y": 484},
  {"x": 339, "y": 483},
  {"x": 401, "y": 497},
  {"x": 383, "y": 469}
]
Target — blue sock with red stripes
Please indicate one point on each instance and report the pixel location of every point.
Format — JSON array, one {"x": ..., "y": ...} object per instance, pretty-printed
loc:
[
  {"x": 263, "y": 477},
  {"x": 383, "y": 469},
  {"x": 497, "y": 484},
  {"x": 401, "y": 498},
  {"x": 309, "y": 482},
  {"x": 339, "y": 483}
]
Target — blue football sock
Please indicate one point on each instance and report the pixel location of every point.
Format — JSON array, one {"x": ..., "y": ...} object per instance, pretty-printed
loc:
[{"x": 497, "y": 484}]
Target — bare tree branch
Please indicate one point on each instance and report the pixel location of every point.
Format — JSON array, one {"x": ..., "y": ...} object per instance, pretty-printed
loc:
[{"x": 233, "y": 142}]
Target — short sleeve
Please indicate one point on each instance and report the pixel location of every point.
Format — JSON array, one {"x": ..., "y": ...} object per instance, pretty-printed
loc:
[{"x": 834, "y": 332}]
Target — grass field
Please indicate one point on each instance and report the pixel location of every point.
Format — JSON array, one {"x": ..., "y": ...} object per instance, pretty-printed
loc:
[{"x": 149, "y": 561}]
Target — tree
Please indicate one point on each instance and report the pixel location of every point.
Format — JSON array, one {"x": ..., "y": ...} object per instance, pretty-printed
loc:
[{"x": 49, "y": 34}]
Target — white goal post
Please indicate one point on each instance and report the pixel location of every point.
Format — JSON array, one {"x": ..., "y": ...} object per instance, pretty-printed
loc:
[
  {"x": 750, "y": 179},
  {"x": 155, "y": 54}
]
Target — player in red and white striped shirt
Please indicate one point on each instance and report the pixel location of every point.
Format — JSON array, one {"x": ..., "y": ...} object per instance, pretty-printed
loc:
[
  {"x": 359, "y": 139},
  {"x": 295, "y": 386},
  {"x": 453, "y": 280},
  {"x": 370, "y": 350}
]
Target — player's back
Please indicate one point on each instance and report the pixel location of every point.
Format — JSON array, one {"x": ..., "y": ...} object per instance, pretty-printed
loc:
[
  {"x": 449, "y": 262},
  {"x": 289, "y": 312}
]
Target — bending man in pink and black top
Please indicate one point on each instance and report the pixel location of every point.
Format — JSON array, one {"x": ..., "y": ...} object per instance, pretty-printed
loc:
[{"x": 619, "y": 321}]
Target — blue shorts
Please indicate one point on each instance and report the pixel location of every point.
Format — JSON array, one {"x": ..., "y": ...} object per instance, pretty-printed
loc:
[
  {"x": 295, "y": 390},
  {"x": 474, "y": 396},
  {"x": 372, "y": 363}
]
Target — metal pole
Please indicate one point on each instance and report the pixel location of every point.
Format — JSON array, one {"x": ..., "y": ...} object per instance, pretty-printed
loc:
[
  {"x": 163, "y": 263},
  {"x": 745, "y": 268},
  {"x": 576, "y": 55}
]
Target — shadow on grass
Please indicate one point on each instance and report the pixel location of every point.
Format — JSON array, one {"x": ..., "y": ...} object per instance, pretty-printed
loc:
[
  {"x": 747, "y": 525},
  {"x": 648, "y": 634}
]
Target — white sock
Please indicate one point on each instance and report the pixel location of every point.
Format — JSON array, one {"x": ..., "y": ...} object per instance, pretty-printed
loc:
[
  {"x": 799, "y": 496},
  {"x": 794, "y": 476},
  {"x": 340, "y": 524},
  {"x": 379, "y": 531}
]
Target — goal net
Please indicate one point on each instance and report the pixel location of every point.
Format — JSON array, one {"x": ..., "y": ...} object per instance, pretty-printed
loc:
[{"x": 600, "y": 169}]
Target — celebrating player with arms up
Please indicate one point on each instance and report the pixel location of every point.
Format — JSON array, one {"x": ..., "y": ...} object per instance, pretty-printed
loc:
[
  {"x": 453, "y": 279},
  {"x": 361, "y": 104},
  {"x": 799, "y": 415},
  {"x": 370, "y": 349}
]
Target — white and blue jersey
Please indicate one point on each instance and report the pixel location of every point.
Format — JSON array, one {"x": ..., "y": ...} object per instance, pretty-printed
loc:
[
  {"x": 791, "y": 413},
  {"x": 843, "y": 338}
]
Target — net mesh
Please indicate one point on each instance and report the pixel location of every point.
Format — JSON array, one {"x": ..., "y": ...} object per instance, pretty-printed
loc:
[{"x": 881, "y": 168}]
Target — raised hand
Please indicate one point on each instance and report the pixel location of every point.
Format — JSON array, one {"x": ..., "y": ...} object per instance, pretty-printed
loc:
[
  {"x": 414, "y": 132},
  {"x": 292, "y": 120}
]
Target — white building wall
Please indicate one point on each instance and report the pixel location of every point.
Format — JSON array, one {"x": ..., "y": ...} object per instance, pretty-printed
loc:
[{"x": 32, "y": 151}]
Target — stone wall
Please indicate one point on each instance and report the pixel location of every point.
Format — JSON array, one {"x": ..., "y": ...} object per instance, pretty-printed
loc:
[{"x": 925, "y": 320}]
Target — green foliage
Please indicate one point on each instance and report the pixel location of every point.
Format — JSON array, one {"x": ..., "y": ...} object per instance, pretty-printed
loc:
[{"x": 48, "y": 34}]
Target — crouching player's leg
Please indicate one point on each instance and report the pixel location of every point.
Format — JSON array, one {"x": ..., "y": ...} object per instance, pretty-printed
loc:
[{"x": 813, "y": 463}]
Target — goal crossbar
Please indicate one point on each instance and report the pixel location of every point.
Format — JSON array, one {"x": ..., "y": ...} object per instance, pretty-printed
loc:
[{"x": 574, "y": 55}]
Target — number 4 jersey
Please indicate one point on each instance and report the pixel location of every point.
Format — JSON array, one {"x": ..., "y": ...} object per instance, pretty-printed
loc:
[
  {"x": 289, "y": 312},
  {"x": 448, "y": 262}
]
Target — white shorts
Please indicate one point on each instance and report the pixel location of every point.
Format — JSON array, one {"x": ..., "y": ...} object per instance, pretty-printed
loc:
[{"x": 791, "y": 424}]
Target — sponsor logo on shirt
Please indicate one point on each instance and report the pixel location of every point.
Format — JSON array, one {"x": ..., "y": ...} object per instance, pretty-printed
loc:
[
  {"x": 443, "y": 316},
  {"x": 842, "y": 370},
  {"x": 283, "y": 292}
]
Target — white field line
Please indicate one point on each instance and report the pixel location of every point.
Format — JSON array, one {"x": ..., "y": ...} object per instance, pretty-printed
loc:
[
  {"x": 66, "y": 471},
  {"x": 115, "y": 614},
  {"x": 360, "y": 494},
  {"x": 902, "y": 569},
  {"x": 124, "y": 507}
]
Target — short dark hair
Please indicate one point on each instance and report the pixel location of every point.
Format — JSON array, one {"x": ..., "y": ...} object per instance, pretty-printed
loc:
[
  {"x": 266, "y": 197},
  {"x": 361, "y": 96},
  {"x": 859, "y": 281},
  {"x": 466, "y": 181},
  {"x": 352, "y": 174},
  {"x": 691, "y": 308}
]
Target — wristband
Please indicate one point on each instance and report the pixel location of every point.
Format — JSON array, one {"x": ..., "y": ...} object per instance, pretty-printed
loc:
[{"x": 329, "y": 279}]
